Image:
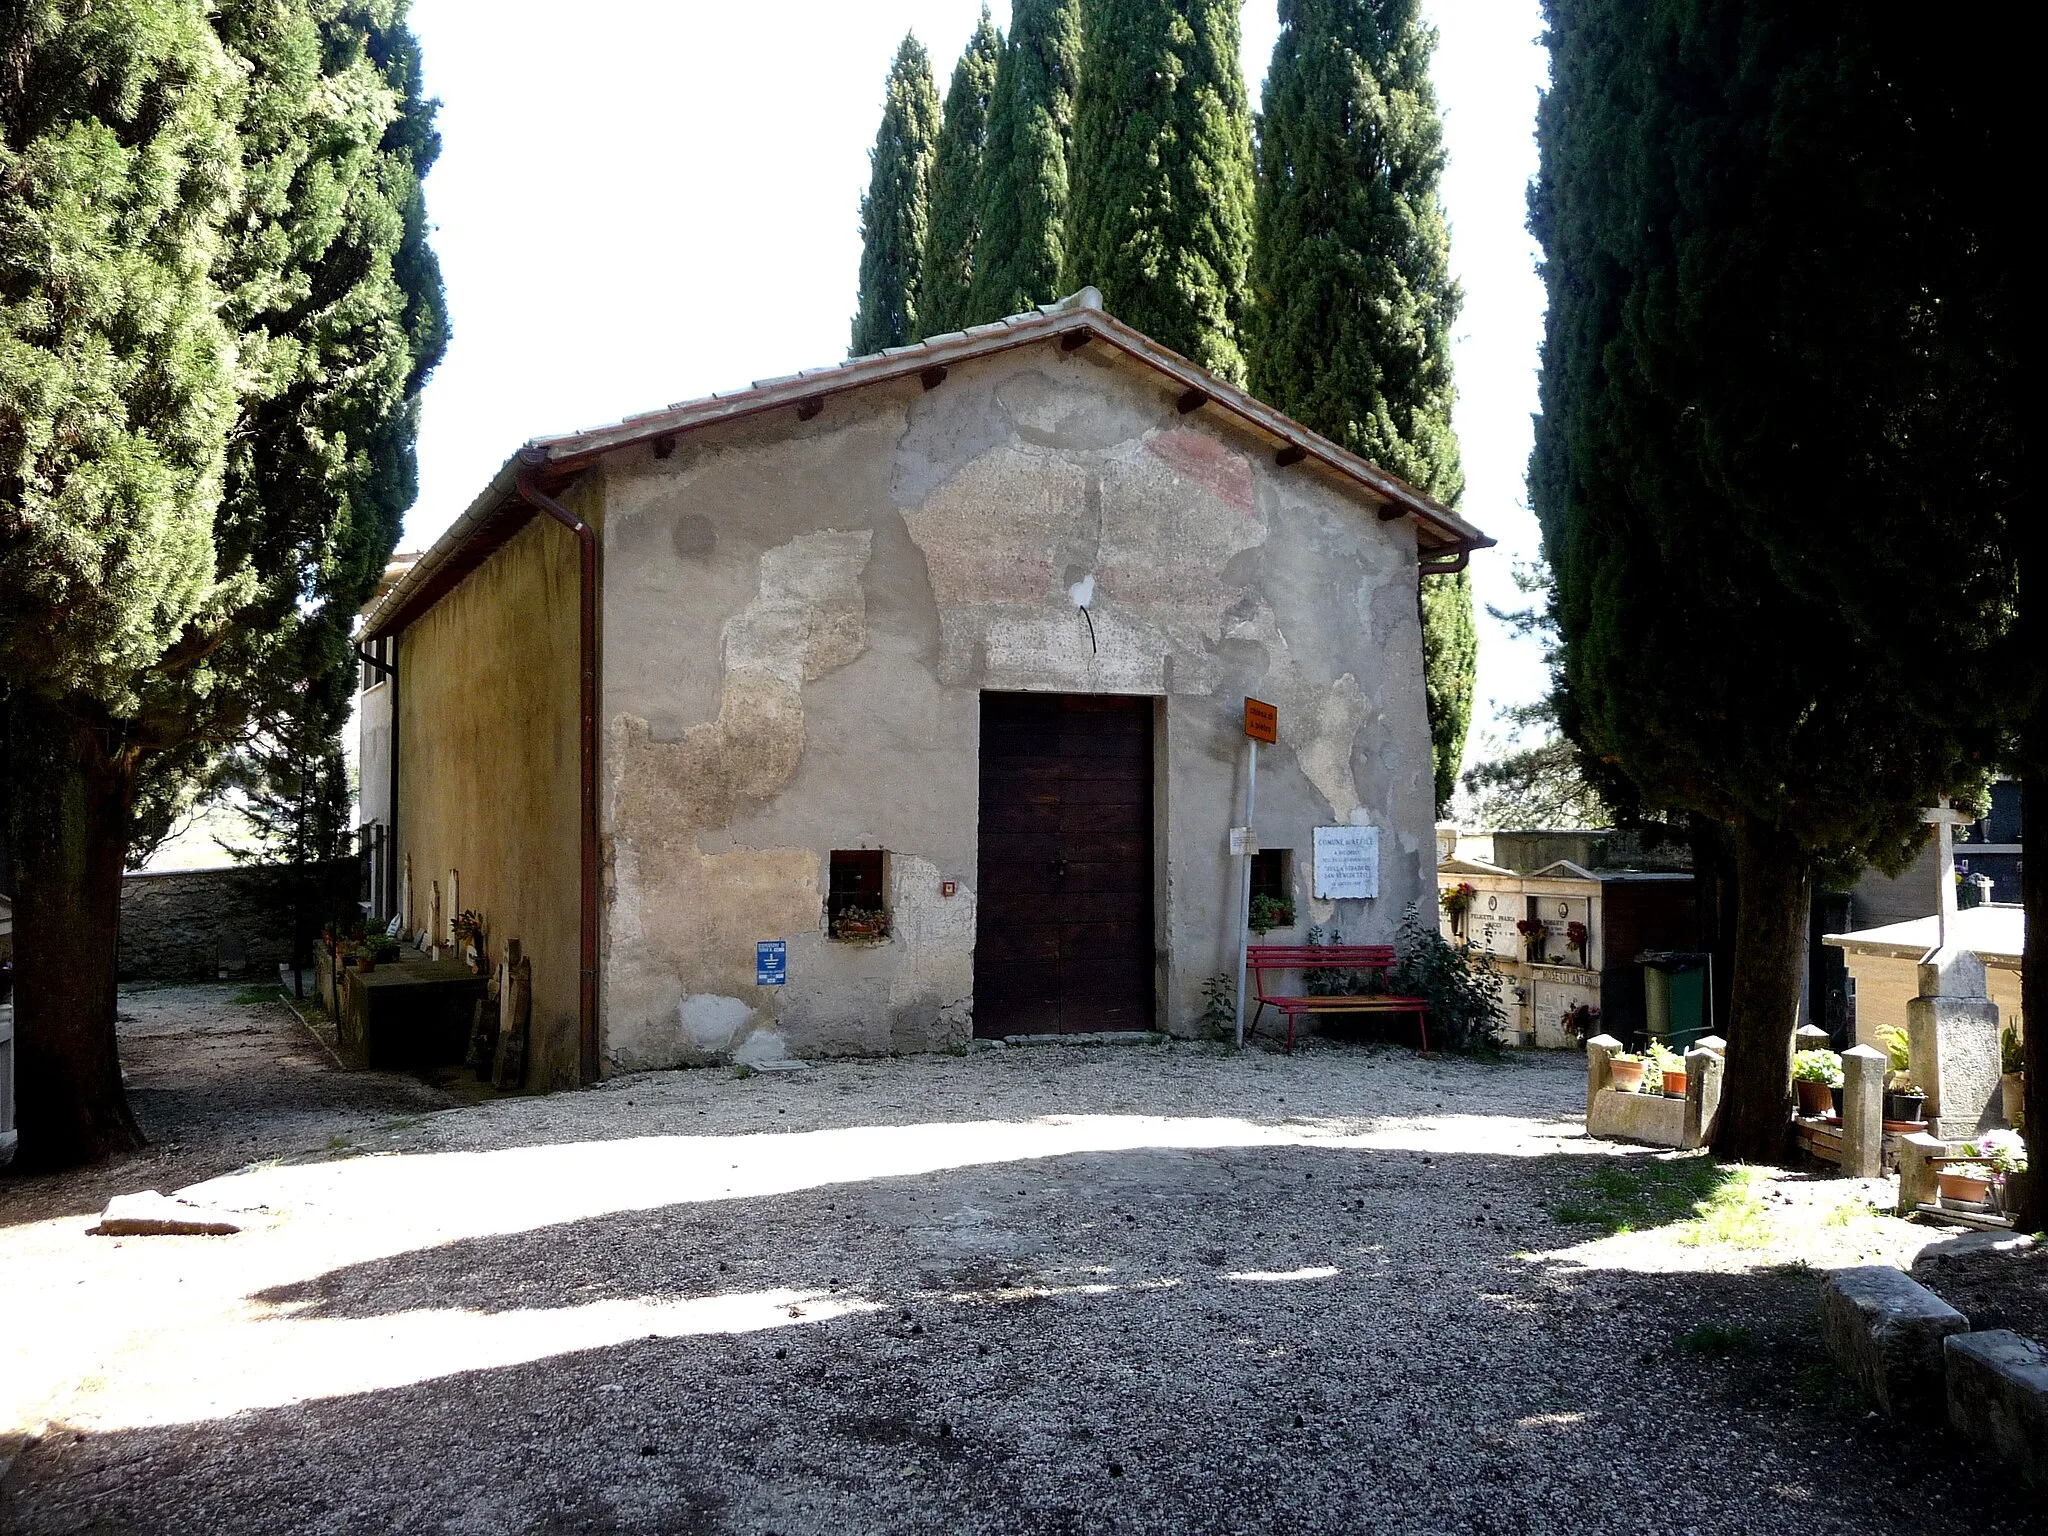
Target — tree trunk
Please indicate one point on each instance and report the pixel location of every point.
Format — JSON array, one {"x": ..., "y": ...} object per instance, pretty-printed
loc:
[
  {"x": 70, "y": 842},
  {"x": 1774, "y": 893}
]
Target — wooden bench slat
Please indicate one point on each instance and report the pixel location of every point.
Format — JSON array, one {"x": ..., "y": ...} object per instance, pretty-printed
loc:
[{"x": 1261, "y": 958}]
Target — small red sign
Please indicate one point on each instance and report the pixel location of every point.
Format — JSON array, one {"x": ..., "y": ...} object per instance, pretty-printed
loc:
[{"x": 1261, "y": 721}]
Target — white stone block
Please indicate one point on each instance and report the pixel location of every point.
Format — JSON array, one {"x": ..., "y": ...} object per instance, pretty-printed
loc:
[
  {"x": 150, "y": 1214},
  {"x": 1885, "y": 1330},
  {"x": 1998, "y": 1396},
  {"x": 1648, "y": 1118}
]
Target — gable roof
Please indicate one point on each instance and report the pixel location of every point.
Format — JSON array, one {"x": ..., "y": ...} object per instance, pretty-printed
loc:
[{"x": 1444, "y": 538}]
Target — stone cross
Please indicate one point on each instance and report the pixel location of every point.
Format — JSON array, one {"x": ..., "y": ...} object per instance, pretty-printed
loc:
[{"x": 1945, "y": 819}]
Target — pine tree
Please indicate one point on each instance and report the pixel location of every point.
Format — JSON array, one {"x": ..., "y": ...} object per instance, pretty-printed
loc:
[
  {"x": 1352, "y": 298},
  {"x": 1749, "y": 404},
  {"x": 1024, "y": 192},
  {"x": 953, "y": 231},
  {"x": 206, "y": 443},
  {"x": 1161, "y": 219},
  {"x": 893, "y": 214}
]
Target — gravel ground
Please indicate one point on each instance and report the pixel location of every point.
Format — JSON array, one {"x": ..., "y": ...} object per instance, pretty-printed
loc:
[
  {"x": 1071, "y": 1290},
  {"x": 217, "y": 1083}
]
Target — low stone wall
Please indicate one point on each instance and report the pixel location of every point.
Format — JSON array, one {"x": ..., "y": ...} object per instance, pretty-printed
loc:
[{"x": 187, "y": 924}]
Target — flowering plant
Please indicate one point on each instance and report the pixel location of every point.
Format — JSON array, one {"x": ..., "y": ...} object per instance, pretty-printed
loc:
[
  {"x": 2005, "y": 1151},
  {"x": 1581, "y": 1020},
  {"x": 1457, "y": 900},
  {"x": 1575, "y": 934}
]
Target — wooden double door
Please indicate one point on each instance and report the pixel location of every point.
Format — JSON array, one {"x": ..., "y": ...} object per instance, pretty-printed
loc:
[{"x": 1064, "y": 938}]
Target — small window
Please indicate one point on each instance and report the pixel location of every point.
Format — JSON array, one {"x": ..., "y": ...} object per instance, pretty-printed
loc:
[
  {"x": 1272, "y": 889},
  {"x": 854, "y": 909}
]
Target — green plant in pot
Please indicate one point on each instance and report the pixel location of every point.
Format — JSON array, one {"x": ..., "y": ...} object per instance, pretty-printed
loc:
[
  {"x": 1626, "y": 1070},
  {"x": 1270, "y": 912},
  {"x": 1666, "y": 1071},
  {"x": 1967, "y": 1184},
  {"x": 1904, "y": 1103},
  {"x": 1816, "y": 1075}
]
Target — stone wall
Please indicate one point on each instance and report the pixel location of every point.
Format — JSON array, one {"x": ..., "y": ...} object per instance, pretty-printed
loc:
[
  {"x": 192, "y": 923},
  {"x": 800, "y": 620}
]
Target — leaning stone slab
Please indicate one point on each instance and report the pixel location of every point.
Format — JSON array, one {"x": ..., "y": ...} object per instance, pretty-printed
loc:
[
  {"x": 1998, "y": 1396},
  {"x": 150, "y": 1214},
  {"x": 1885, "y": 1330}
]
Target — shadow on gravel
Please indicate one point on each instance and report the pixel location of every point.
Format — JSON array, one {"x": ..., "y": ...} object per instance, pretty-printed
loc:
[{"x": 1285, "y": 1339}]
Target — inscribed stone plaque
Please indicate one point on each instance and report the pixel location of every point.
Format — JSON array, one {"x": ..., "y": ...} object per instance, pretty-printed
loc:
[{"x": 1347, "y": 863}]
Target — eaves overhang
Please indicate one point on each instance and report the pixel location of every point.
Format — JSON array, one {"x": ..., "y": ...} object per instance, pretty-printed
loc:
[{"x": 1444, "y": 539}]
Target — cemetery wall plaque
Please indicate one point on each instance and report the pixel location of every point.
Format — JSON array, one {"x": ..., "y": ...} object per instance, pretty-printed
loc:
[{"x": 1347, "y": 863}]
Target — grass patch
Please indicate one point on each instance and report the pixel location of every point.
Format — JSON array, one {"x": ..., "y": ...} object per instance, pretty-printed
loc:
[
  {"x": 1717, "y": 1341},
  {"x": 1628, "y": 1195},
  {"x": 1732, "y": 1214},
  {"x": 249, "y": 996}
]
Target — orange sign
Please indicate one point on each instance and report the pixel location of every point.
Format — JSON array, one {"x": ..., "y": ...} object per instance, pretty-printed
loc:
[{"x": 1261, "y": 721}]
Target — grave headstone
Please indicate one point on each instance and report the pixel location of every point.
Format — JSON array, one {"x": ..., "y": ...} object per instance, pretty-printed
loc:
[{"x": 1952, "y": 1026}]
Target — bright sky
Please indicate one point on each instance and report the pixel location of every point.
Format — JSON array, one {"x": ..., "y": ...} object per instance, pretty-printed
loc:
[{"x": 644, "y": 202}]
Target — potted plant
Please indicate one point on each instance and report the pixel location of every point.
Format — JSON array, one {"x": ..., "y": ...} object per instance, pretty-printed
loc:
[
  {"x": 859, "y": 924},
  {"x": 1669, "y": 1068},
  {"x": 1904, "y": 1104},
  {"x": 1626, "y": 1072},
  {"x": 1533, "y": 934},
  {"x": 2002, "y": 1153},
  {"x": 2012, "y": 1083},
  {"x": 1270, "y": 912},
  {"x": 1575, "y": 935},
  {"x": 1457, "y": 901},
  {"x": 1816, "y": 1075},
  {"x": 1965, "y": 1184}
]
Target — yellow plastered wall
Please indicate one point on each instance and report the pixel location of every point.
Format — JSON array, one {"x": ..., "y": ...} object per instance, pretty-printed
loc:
[
  {"x": 1886, "y": 983},
  {"x": 488, "y": 773}
]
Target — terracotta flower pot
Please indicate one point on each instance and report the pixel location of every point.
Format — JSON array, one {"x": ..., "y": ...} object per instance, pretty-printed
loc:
[
  {"x": 1964, "y": 1186},
  {"x": 1674, "y": 1083},
  {"x": 1627, "y": 1076},
  {"x": 1816, "y": 1100}
]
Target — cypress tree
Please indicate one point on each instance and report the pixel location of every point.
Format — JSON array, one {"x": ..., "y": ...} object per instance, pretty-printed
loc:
[
  {"x": 1023, "y": 238},
  {"x": 894, "y": 211},
  {"x": 1749, "y": 404},
  {"x": 119, "y": 165},
  {"x": 1352, "y": 297},
  {"x": 953, "y": 233},
  {"x": 1161, "y": 219},
  {"x": 205, "y": 442}
]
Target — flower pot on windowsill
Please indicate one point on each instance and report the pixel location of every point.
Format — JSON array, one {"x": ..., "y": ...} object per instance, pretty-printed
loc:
[{"x": 1626, "y": 1076}]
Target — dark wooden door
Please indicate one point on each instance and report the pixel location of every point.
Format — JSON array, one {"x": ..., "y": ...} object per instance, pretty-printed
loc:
[{"x": 1063, "y": 931}]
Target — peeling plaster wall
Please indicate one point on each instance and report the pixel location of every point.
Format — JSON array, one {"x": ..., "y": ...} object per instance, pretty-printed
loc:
[
  {"x": 488, "y": 767},
  {"x": 799, "y": 618}
]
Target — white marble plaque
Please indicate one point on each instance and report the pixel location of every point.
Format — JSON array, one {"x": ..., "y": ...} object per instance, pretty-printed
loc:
[{"x": 1347, "y": 863}]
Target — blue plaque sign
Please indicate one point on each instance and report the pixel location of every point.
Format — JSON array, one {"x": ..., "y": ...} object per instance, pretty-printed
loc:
[{"x": 771, "y": 963}]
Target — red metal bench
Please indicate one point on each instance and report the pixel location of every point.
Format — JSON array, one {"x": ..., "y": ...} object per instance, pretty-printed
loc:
[{"x": 1263, "y": 959}]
